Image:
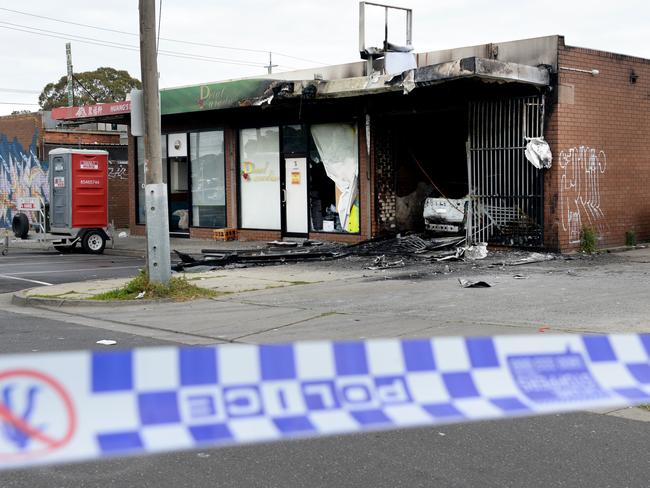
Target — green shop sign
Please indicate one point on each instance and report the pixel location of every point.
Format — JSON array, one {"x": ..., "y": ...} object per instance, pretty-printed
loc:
[{"x": 213, "y": 96}]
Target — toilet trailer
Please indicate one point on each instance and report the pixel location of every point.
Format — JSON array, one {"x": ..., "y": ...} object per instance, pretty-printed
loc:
[{"x": 79, "y": 198}]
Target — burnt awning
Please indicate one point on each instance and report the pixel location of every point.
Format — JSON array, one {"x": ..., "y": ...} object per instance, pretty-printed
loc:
[
  {"x": 484, "y": 69},
  {"x": 488, "y": 70},
  {"x": 264, "y": 91}
]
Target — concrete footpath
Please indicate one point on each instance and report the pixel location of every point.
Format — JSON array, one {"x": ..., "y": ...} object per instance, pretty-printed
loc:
[{"x": 342, "y": 299}]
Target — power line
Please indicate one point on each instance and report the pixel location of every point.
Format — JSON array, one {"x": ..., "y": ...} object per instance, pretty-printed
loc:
[
  {"x": 84, "y": 89},
  {"x": 17, "y": 103},
  {"x": 120, "y": 45},
  {"x": 117, "y": 45},
  {"x": 217, "y": 46}
]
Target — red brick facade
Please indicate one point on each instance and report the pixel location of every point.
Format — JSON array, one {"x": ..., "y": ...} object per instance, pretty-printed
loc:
[
  {"x": 83, "y": 138},
  {"x": 599, "y": 131},
  {"x": 23, "y": 127},
  {"x": 118, "y": 197}
]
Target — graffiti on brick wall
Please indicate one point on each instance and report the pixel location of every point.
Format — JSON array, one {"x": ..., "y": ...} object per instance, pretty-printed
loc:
[
  {"x": 21, "y": 175},
  {"x": 582, "y": 169},
  {"x": 117, "y": 170}
]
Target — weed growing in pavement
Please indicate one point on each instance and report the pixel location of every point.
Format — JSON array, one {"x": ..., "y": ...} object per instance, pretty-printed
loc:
[
  {"x": 588, "y": 240},
  {"x": 630, "y": 238},
  {"x": 178, "y": 288}
]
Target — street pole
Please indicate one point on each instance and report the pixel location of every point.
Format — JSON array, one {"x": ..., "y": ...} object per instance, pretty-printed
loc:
[
  {"x": 158, "y": 258},
  {"x": 68, "y": 59}
]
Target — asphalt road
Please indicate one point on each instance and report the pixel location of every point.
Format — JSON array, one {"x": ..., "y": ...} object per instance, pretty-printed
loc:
[
  {"x": 577, "y": 450},
  {"x": 21, "y": 269}
]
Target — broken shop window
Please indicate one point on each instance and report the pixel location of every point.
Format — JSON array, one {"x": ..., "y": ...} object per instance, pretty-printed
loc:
[{"x": 334, "y": 178}]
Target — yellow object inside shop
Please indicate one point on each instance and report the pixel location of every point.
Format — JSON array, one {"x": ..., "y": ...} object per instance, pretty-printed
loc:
[{"x": 353, "y": 221}]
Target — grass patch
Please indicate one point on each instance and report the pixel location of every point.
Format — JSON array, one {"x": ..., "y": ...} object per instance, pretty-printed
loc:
[
  {"x": 588, "y": 240},
  {"x": 630, "y": 238},
  {"x": 645, "y": 407},
  {"x": 178, "y": 288},
  {"x": 58, "y": 295}
]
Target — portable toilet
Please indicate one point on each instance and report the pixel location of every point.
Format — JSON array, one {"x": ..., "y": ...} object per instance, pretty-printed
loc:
[{"x": 79, "y": 198}]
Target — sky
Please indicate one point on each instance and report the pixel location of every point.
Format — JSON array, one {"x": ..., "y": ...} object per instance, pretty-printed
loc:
[{"x": 300, "y": 33}]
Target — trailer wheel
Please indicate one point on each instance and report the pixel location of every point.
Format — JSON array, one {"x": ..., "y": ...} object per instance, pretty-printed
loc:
[
  {"x": 93, "y": 242},
  {"x": 20, "y": 225}
]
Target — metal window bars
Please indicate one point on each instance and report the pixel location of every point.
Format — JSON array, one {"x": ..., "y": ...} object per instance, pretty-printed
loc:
[{"x": 506, "y": 200}]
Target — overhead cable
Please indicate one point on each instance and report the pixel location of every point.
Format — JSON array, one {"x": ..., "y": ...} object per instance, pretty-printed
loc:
[
  {"x": 192, "y": 43},
  {"x": 117, "y": 45}
]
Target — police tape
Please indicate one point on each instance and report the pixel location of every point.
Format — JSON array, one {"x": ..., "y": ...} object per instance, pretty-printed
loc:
[{"x": 58, "y": 407}]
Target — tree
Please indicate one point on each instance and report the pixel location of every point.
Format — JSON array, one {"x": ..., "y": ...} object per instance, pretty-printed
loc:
[{"x": 104, "y": 84}]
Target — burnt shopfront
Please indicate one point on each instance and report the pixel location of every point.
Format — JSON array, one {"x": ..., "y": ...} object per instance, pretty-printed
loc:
[
  {"x": 354, "y": 158},
  {"x": 290, "y": 169}
]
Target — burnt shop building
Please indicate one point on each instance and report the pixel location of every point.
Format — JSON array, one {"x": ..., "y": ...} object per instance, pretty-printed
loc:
[
  {"x": 354, "y": 151},
  {"x": 342, "y": 152}
]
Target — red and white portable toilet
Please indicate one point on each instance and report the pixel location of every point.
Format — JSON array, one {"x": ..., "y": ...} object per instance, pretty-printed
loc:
[{"x": 79, "y": 198}]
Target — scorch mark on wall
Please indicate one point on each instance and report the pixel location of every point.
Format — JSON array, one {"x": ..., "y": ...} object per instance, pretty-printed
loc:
[
  {"x": 21, "y": 175},
  {"x": 583, "y": 168}
]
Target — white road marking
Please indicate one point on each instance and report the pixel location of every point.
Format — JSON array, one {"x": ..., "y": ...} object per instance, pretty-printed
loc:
[
  {"x": 25, "y": 279},
  {"x": 74, "y": 270}
]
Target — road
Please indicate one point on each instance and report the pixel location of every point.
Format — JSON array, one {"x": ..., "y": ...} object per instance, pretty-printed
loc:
[
  {"x": 582, "y": 449},
  {"x": 21, "y": 269}
]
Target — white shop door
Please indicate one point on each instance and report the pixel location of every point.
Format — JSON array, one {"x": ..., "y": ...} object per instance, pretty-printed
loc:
[{"x": 296, "y": 203}]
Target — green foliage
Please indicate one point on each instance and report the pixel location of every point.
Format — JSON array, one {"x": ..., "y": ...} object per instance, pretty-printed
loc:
[
  {"x": 588, "y": 240},
  {"x": 630, "y": 238},
  {"x": 178, "y": 288},
  {"x": 105, "y": 84}
]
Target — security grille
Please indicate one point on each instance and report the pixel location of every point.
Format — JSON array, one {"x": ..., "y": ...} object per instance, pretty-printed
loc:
[{"x": 506, "y": 202}]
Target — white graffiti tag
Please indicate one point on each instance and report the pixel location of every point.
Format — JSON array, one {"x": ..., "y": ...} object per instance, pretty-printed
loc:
[
  {"x": 582, "y": 169},
  {"x": 117, "y": 170}
]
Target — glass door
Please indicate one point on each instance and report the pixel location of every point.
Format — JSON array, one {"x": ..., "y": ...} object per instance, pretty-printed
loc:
[{"x": 178, "y": 185}]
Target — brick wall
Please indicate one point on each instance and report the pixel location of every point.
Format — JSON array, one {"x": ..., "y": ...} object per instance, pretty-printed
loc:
[
  {"x": 385, "y": 182},
  {"x": 23, "y": 127},
  {"x": 599, "y": 131},
  {"x": 118, "y": 194},
  {"x": 232, "y": 177},
  {"x": 67, "y": 137}
]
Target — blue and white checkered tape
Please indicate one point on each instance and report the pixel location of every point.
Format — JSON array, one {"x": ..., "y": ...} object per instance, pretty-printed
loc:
[{"x": 85, "y": 405}]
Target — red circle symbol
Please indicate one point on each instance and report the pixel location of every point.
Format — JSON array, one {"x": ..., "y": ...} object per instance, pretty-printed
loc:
[{"x": 51, "y": 443}]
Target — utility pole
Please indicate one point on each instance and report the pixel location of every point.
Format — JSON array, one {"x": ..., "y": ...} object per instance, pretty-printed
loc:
[
  {"x": 271, "y": 65},
  {"x": 158, "y": 259},
  {"x": 68, "y": 58}
]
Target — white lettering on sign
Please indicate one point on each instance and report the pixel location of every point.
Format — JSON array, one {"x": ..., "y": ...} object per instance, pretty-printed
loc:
[
  {"x": 28, "y": 203},
  {"x": 89, "y": 182},
  {"x": 121, "y": 107},
  {"x": 84, "y": 164},
  {"x": 59, "y": 182}
]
